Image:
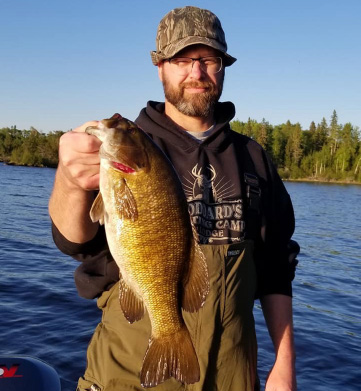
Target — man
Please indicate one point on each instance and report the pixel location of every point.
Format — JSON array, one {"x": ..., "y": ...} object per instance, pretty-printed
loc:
[{"x": 237, "y": 202}]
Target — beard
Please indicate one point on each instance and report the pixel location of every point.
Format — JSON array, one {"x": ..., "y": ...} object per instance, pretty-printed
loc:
[{"x": 194, "y": 105}]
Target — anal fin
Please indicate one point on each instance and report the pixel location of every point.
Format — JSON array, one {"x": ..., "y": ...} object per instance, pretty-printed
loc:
[{"x": 131, "y": 305}]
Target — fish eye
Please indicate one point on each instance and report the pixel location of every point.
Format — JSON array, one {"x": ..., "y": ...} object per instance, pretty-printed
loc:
[{"x": 131, "y": 128}]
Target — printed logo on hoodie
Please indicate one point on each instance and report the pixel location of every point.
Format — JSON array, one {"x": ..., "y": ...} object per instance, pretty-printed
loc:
[{"x": 216, "y": 214}]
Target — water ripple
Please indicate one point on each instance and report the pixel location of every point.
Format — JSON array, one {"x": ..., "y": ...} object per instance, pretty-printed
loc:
[{"x": 43, "y": 316}]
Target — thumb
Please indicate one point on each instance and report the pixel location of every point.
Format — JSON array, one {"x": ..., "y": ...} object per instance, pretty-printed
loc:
[{"x": 82, "y": 128}]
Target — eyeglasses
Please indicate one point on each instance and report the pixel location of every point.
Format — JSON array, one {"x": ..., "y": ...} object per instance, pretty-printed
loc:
[{"x": 183, "y": 65}]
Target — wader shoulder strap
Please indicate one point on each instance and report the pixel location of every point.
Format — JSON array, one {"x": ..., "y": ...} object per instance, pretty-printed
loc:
[{"x": 251, "y": 187}]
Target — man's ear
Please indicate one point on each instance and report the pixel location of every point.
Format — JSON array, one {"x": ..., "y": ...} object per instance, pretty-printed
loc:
[{"x": 160, "y": 71}]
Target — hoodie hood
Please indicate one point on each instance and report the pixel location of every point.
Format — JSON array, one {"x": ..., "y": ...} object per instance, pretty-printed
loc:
[{"x": 154, "y": 122}]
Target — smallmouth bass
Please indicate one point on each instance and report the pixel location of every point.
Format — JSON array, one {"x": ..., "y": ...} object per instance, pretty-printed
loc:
[{"x": 162, "y": 268}]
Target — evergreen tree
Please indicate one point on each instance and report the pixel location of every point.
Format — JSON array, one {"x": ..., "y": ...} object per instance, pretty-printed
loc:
[
  {"x": 279, "y": 141},
  {"x": 334, "y": 132},
  {"x": 262, "y": 134},
  {"x": 248, "y": 131},
  {"x": 321, "y": 134},
  {"x": 309, "y": 139}
]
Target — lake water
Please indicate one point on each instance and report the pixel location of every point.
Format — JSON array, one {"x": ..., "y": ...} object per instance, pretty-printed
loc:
[{"x": 42, "y": 315}]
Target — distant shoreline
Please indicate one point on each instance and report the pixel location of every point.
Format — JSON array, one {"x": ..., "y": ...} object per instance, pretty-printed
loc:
[
  {"x": 325, "y": 181},
  {"x": 306, "y": 180},
  {"x": 25, "y": 165}
]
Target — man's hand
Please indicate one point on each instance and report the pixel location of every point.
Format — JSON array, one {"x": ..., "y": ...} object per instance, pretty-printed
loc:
[
  {"x": 282, "y": 377},
  {"x": 76, "y": 178},
  {"x": 79, "y": 159}
]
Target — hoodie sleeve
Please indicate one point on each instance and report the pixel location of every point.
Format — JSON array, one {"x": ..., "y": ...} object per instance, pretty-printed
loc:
[
  {"x": 275, "y": 251},
  {"x": 98, "y": 271}
]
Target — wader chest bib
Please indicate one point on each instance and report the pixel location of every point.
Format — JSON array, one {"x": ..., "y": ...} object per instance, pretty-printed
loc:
[{"x": 222, "y": 331}]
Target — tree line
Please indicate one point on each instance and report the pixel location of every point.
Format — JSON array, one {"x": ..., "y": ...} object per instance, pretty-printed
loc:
[
  {"x": 326, "y": 151},
  {"x": 29, "y": 147}
]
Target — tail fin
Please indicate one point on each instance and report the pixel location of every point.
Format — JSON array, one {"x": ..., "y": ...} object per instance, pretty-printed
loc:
[{"x": 171, "y": 356}]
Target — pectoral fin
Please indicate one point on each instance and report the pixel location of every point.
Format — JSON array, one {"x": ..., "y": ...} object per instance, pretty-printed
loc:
[
  {"x": 132, "y": 305},
  {"x": 124, "y": 201},
  {"x": 97, "y": 210},
  {"x": 196, "y": 282}
]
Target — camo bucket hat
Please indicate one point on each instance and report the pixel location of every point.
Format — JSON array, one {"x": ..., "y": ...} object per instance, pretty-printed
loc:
[{"x": 187, "y": 26}]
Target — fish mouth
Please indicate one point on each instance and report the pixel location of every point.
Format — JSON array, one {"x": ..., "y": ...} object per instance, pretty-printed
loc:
[
  {"x": 122, "y": 167},
  {"x": 122, "y": 162}
]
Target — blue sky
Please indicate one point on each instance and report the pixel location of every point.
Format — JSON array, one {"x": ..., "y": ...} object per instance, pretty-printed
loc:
[{"x": 64, "y": 62}]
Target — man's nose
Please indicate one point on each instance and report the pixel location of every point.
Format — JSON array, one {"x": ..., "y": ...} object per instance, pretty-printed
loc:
[{"x": 196, "y": 69}]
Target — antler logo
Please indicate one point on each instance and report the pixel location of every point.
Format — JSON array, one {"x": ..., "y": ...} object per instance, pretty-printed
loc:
[{"x": 203, "y": 185}]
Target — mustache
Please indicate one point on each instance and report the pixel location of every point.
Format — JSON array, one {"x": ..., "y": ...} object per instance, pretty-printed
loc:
[{"x": 197, "y": 84}]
